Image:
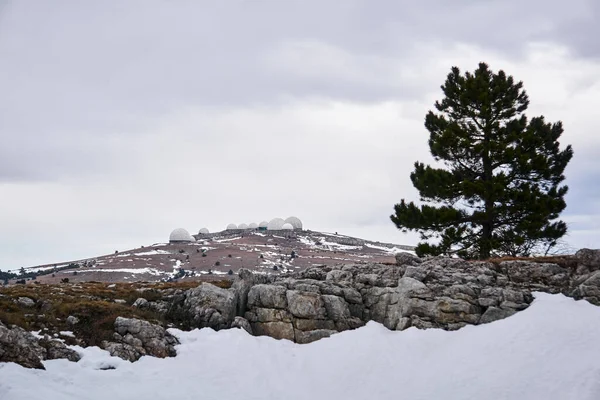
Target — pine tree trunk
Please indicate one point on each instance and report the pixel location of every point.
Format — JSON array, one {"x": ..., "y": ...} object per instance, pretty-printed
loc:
[{"x": 487, "y": 225}]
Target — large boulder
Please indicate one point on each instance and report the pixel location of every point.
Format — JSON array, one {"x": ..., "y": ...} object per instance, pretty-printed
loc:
[
  {"x": 135, "y": 338},
  {"x": 57, "y": 350},
  {"x": 587, "y": 287},
  {"x": 242, "y": 323},
  {"x": 276, "y": 330},
  {"x": 305, "y": 304},
  {"x": 25, "y": 302},
  {"x": 589, "y": 258},
  {"x": 21, "y": 347},
  {"x": 547, "y": 276},
  {"x": 404, "y": 258},
  {"x": 267, "y": 296},
  {"x": 241, "y": 288},
  {"x": 210, "y": 306}
]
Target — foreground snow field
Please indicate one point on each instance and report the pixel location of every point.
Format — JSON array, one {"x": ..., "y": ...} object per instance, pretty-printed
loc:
[{"x": 549, "y": 351}]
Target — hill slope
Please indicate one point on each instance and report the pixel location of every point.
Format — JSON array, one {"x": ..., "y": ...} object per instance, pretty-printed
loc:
[{"x": 215, "y": 255}]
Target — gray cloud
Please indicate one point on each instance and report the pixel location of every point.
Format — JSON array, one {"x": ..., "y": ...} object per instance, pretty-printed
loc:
[{"x": 131, "y": 107}]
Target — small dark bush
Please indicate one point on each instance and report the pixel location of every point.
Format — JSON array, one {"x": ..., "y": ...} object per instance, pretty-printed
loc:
[
  {"x": 230, "y": 272},
  {"x": 217, "y": 263},
  {"x": 229, "y": 255},
  {"x": 65, "y": 280},
  {"x": 203, "y": 254}
]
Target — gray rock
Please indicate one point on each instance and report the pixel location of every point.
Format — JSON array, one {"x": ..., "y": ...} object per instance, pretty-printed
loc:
[
  {"x": 72, "y": 320},
  {"x": 311, "y": 336},
  {"x": 58, "y": 350},
  {"x": 305, "y": 304},
  {"x": 159, "y": 306},
  {"x": 313, "y": 324},
  {"x": 25, "y": 302},
  {"x": 407, "y": 259},
  {"x": 589, "y": 258},
  {"x": 140, "y": 303},
  {"x": 337, "y": 308},
  {"x": 138, "y": 337},
  {"x": 242, "y": 323},
  {"x": 123, "y": 350},
  {"x": 267, "y": 296},
  {"x": 276, "y": 330},
  {"x": 494, "y": 314},
  {"x": 241, "y": 287},
  {"x": 530, "y": 274},
  {"x": 210, "y": 306},
  {"x": 416, "y": 272},
  {"x": 21, "y": 347}
]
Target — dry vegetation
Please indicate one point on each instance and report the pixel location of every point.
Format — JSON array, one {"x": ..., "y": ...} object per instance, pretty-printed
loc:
[
  {"x": 565, "y": 261},
  {"x": 93, "y": 303}
]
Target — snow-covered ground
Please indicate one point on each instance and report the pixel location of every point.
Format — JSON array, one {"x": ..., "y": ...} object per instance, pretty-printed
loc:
[{"x": 547, "y": 352}]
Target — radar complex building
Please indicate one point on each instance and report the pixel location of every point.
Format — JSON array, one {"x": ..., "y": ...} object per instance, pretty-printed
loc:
[
  {"x": 180, "y": 235},
  {"x": 287, "y": 226}
]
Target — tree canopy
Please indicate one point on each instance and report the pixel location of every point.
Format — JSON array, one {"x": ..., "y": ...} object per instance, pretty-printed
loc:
[{"x": 497, "y": 189}]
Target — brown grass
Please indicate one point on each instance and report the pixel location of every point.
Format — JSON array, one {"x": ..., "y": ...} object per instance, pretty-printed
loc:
[
  {"x": 568, "y": 262},
  {"x": 92, "y": 302}
]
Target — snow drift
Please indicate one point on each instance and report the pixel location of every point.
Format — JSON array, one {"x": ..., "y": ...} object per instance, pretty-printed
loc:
[{"x": 549, "y": 351}]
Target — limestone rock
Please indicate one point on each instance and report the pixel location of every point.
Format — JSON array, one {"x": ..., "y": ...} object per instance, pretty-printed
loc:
[
  {"x": 57, "y": 350},
  {"x": 494, "y": 314},
  {"x": 267, "y": 296},
  {"x": 533, "y": 275},
  {"x": 140, "y": 303},
  {"x": 241, "y": 287},
  {"x": 589, "y": 258},
  {"x": 242, "y": 323},
  {"x": 337, "y": 308},
  {"x": 311, "y": 336},
  {"x": 276, "y": 330},
  {"x": 404, "y": 258},
  {"x": 25, "y": 302},
  {"x": 21, "y": 347},
  {"x": 136, "y": 338},
  {"x": 210, "y": 306},
  {"x": 305, "y": 304}
]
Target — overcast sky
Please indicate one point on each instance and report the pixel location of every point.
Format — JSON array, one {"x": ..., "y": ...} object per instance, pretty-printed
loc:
[{"x": 122, "y": 120}]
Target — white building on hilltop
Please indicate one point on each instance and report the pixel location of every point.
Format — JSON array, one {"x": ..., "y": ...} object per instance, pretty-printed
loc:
[
  {"x": 295, "y": 222},
  {"x": 275, "y": 224},
  {"x": 180, "y": 235}
]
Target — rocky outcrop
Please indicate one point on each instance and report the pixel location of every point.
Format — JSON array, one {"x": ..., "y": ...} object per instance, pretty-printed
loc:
[
  {"x": 208, "y": 306},
  {"x": 134, "y": 338},
  {"x": 436, "y": 292},
  {"x": 302, "y": 310},
  {"x": 588, "y": 259},
  {"x": 56, "y": 350},
  {"x": 21, "y": 347},
  {"x": 25, "y": 302}
]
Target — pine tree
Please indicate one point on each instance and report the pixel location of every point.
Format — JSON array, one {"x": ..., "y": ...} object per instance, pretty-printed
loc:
[{"x": 498, "y": 191}]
